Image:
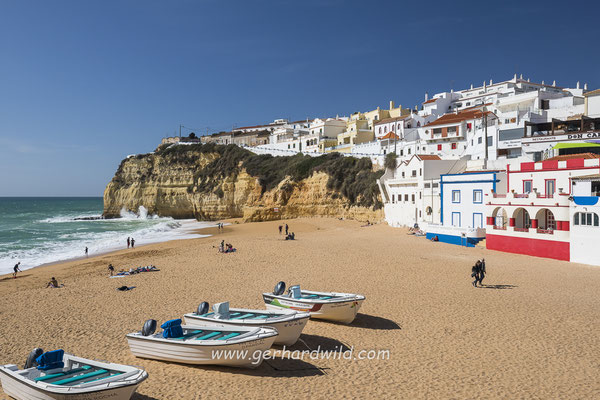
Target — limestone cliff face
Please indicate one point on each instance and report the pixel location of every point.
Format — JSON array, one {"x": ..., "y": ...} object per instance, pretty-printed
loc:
[{"x": 176, "y": 187}]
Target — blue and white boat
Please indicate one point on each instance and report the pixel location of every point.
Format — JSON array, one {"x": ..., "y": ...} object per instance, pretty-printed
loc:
[
  {"x": 56, "y": 375},
  {"x": 288, "y": 323},
  {"x": 234, "y": 346}
]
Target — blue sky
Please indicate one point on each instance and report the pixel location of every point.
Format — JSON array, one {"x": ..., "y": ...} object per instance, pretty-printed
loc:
[{"x": 85, "y": 83}]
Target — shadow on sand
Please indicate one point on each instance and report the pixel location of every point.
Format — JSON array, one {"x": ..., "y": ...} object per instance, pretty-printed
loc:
[
  {"x": 137, "y": 396},
  {"x": 498, "y": 287},
  {"x": 276, "y": 367},
  {"x": 374, "y": 322},
  {"x": 10, "y": 278},
  {"x": 316, "y": 342}
]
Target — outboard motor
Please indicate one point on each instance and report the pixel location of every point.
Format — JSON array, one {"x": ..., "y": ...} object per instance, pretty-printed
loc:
[
  {"x": 149, "y": 327},
  {"x": 35, "y": 353},
  {"x": 279, "y": 289},
  {"x": 203, "y": 308},
  {"x": 221, "y": 310}
]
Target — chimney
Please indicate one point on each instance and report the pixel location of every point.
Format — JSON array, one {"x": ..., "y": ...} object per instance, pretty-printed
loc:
[
  {"x": 585, "y": 86},
  {"x": 515, "y": 77},
  {"x": 456, "y": 111},
  {"x": 528, "y": 80},
  {"x": 577, "y": 85},
  {"x": 543, "y": 83},
  {"x": 554, "y": 83},
  {"x": 471, "y": 86},
  {"x": 484, "y": 85},
  {"x": 426, "y": 96},
  {"x": 491, "y": 82},
  {"x": 391, "y": 104}
]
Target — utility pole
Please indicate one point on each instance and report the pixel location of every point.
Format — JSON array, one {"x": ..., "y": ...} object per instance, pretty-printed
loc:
[
  {"x": 180, "y": 130},
  {"x": 485, "y": 142}
]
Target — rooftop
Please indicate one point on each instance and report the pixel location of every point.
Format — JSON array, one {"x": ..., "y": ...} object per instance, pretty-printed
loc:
[
  {"x": 565, "y": 157},
  {"x": 454, "y": 118},
  {"x": 388, "y": 120}
]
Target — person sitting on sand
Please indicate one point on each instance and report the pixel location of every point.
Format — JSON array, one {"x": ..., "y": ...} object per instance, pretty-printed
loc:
[
  {"x": 111, "y": 269},
  {"x": 53, "y": 284}
]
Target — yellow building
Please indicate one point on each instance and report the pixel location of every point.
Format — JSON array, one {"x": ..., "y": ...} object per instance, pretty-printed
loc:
[{"x": 359, "y": 128}]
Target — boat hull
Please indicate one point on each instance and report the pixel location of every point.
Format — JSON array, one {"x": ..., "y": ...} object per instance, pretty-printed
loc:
[
  {"x": 343, "y": 311},
  {"x": 289, "y": 330},
  {"x": 244, "y": 354},
  {"x": 21, "y": 390}
]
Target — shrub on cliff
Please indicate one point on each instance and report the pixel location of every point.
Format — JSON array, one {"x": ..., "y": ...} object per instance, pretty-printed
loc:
[{"x": 353, "y": 178}]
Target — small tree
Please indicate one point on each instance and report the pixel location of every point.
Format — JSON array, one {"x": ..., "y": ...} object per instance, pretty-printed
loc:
[
  {"x": 390, "y": 161},
  {"x": 192, "y": 135}
]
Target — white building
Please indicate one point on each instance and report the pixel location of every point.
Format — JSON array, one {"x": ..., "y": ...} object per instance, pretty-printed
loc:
[{"x": 410, "y": 192}]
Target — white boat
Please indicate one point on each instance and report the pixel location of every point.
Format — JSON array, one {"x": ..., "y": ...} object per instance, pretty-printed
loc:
[
  {"x": 289, "y": 324},
  {"x": 339, "y": 307},
  {"x": 57, "y": 375},
  {"x": 226, "y": 346}
]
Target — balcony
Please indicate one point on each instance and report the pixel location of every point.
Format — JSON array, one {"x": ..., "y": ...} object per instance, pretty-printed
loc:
[
  {"x": 545, "y": 231},
  {"x": 520, "y": 229}
]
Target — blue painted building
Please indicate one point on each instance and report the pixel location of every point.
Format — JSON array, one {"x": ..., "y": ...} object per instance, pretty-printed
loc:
[{"x": 463, "y": 211}]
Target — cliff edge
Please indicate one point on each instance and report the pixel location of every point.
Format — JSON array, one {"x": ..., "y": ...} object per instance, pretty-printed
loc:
[{"x": 209, "y": 182}]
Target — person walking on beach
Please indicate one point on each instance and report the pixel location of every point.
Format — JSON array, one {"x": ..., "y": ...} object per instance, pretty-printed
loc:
[
  {"x": 111, "y": 269},
  {"x": 280, "y": 229},
  {"x": 16, "y": 269},
  {"x": 286, "y": 229},
  {"x": 475, "y": 273},
  {"x": 482, "y": 272},
  {"x": 128, "y": 242},
  {"x": 132, "y": 243},
  {"x": 86, "y": 251}
]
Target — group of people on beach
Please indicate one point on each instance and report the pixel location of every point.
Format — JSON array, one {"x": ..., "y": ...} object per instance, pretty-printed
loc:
[
  {"x": 478, "y": 272},
  {"x": 288, "y": 235},
  {"x": 130, "y": 242},
  {"x": 132, "y": 271},
  {"x": 220, "y": 226},
  {"x": 226, "y": 247}
]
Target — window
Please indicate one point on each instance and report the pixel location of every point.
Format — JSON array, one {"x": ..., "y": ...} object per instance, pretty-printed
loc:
[
  {"x": 589, "y": 219},
  {"x": 477, "y": 196},
  {"x": 453, "y": 146},
  {"x": 392, "y": 198},
  {"x": 403, "y": 174},
  {"x": 468, "y": 104},
  {"x": 456, "y": 219},
  {"x": 479, "y": 140},
  {"x": 412, "y": 197},
  {"x": 428, "y": 210},
  {"x": 550, "y": 183},
  {"x": 420, "y": 171},
  {"x": 408, "y": 151},
  {"x": 439, "y": 147},
  {"x": 401, "y": 152},
  {"x": 420, "y": 195},
  {"x": 405, "y": 197},
  {"x": 527, "y": 186},
  {"x": 452, "y": 129},
  {"x": 414, "y": 173},
  {"x": 427, "y": 185},
  {"x": 437, "y": 131},
  {"x": 456, "y": 196},
  {"x": 478, "y": 220},
  {"x": 435, "y": 185},
  {"x": 469, "y": 126}
]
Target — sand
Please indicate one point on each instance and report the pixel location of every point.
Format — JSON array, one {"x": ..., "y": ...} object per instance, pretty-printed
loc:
[{"x": 532, "y": 333}]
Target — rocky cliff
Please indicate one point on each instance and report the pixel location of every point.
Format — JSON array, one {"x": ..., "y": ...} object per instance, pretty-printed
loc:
[{"x": 210, "y": 182}]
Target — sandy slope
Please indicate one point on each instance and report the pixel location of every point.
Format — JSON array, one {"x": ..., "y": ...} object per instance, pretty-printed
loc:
[{"x": 533, "y": 333}]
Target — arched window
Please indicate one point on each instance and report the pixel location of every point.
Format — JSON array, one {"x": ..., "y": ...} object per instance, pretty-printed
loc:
[
  {"x": 587, "y": 219},
  {"x": 499, "y": 216},
  {"x": 418, "y": 124},
  {"x": 428, "y": 210}
]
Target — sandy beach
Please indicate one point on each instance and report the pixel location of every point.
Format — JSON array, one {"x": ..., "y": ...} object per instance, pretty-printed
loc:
[{"x": 532, "y": 332}]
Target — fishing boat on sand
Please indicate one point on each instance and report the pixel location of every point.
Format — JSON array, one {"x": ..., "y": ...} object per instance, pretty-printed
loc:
[
  {"x": 339, "y": 307},
  {"x": 288, "y": 323},
  {"x": 233, "y": 346},
  {"x": 56, "y": 375}
]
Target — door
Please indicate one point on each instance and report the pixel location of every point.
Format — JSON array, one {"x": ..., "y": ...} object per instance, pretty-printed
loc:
[
  {"x": 456, "y": 219},
  {"x": 477, "y": 220}
]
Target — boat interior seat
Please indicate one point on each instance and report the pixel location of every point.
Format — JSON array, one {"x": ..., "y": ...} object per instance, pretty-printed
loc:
[
  {"x": 221, "y": 310},
  {"x": 63, "y": 373},
  {"x": 295, "y": 292},
  {"x": 81, "y": 377},
  {"x": 172, "y": 329},
  {"x": 209, "y": 335},
  {"x": 243, "y": 316},
  {"x": 229, "y": 336},
  {"x": 51, "y": 360}
]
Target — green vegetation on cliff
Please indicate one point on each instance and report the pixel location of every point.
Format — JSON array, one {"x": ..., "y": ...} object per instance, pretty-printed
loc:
[{"x": 350, "y": 177}]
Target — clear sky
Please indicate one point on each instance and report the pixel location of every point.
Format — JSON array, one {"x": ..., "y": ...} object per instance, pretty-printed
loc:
[{"x": 85, "y": 83}]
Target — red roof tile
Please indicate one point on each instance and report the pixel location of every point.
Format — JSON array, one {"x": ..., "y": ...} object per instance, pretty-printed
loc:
[
  {"x": 453, "y": 118},
  {"x": 390, "y": 135},
  {"x": 428, "y": 157}
]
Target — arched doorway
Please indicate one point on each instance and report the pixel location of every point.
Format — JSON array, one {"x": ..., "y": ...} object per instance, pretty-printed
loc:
[
  {"x": 522, "y": 219},
  {"x": 545, "y": 221},
  {"x": 500, "y": 218}
]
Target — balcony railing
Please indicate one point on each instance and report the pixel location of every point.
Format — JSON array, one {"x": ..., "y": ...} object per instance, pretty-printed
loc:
[
  {"x": 502, "y": 228},
  {"x": 521, "y": 196},
  {"x": 521, "y": 229}
]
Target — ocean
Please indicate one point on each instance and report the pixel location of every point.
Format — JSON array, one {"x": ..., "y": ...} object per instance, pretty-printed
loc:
[{"x": 40, "y": 230}]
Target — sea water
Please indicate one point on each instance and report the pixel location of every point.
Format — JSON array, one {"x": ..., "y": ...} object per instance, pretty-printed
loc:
[{"x": 40, "y": 230}]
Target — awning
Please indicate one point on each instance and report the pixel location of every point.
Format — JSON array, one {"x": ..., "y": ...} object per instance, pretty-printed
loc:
[{"x": 575, "y": 145}]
